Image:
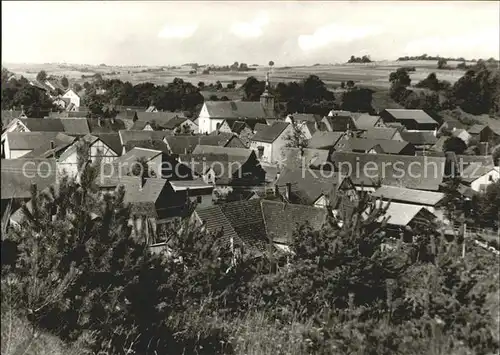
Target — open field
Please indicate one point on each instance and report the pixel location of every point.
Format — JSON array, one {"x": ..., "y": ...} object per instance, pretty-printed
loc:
[{"x": 374, "y": 75}]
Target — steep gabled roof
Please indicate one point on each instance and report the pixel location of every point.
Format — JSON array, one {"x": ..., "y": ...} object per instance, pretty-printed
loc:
[
  {"x": 248, "y": 222},
  {"x": 126, "y": 136},
  {"x": 29, "y": 140},
  {"x": 186, "y": 144},
  {"x": 154, "y": 144},
  {"x": 340, "y": 123},
  {"x": 477, "y": 128},
  {"x": 215, "y": 221},
  {"x": 61, "y": 142},
  {"x": 112, "y": 140},
  {"x": 309, "y": 157},
  {"x": 237, "y": 109},
  {"x": 426, "y": 172},
  {"x": 306, "y": 117},
  {"x": 161, "y": 118},
  {"x": 401, "y": 214},
  {"x": 366, "y": 121},
  {"x": 388, "y": 146},
  {"x": 420, "y": 116},
  {"x": 324, "y": 139},
  {"x": 379, "y": 133},
  {"x": 270, "y": 133},
  {"x": 475, "y": 170},
  {"x": 282, "y": 219},
  {"x": 401, "y": 194},
  {"x": 19, "y": 174},
  {"x": 308, "y": 186},
  {"x": 260, "y": 126},
  {"x": 419, "y": 138},
  {"x": 74, "y": 126}
]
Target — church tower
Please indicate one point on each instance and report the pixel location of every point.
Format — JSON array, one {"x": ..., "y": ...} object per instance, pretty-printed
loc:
[{"x": 267, "y": 99}]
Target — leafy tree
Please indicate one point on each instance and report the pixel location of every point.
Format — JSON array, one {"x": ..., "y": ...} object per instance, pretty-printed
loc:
[
  {"x": 342, "y": 84},
  {"x": 201, "y": 85},
  {"x": 77, "y": 87},
  {"x": 357, "y": 100},
  {"x": 296, "y": 138},
  {"x": 252, "y": 89},
  {"x": 454, "y": 144},
  {"x": 489, "y": 206},
  {"x": 218, "y": 85},
  {"x": 65, "y": 82},
  {"x": 213, "y": 98},
  {"x": 41, "y": 76},
  {"x": 442, "y": 63},
  {"x": 184, "y": 130}
]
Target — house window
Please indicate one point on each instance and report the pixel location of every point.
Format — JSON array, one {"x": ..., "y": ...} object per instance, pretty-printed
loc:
[
  {"x": 198, "y": 199},
  {"x": 261, "y": 151},
  {"x": 490, "y": 178}
]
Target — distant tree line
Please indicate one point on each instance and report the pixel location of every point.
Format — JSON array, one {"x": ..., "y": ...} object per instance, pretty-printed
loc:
[
  {"x": 363, "y": 59},
  {"x": 429, "y": 57},
  {"x": 233, "y": 67},
  {"x": 310, "y": 96},
  {"x": 175, "y": 96},
  {"x": 477, "y": 92}
]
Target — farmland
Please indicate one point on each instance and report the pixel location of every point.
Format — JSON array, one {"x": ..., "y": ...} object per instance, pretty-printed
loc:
[{"x": 374, "y": 75}]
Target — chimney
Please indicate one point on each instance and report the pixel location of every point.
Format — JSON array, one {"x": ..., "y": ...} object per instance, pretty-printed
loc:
[
  {"x": 52, "y": 145},
  {"x": 288, "y": 191},
  {"x": 276, "y": 190}
]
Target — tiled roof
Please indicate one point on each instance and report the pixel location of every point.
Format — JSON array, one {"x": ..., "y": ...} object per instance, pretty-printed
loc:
[
  {"x": 439, "y": 145},
  {"x": 186, "y": 144},
  {"x": 426, "y": 172},
  {"x": 29, "y": 140},
  {"x": 112, "y": 140},
  {"x": 420, "y": 116},
  {"x": 9, "y": 115},
  {"x": 237, "y": 126},
  {"x": 366, "y": 121},
  {"x": 324, "y": 140},
  {"x": 466, "y": 160},
  {"x": 237, "y": 109},
  {"x": 215, "y": 221},
  {"x": 135, "y": 154},
  {"x": 160, "y": 118},
  {"x": 308, "y": 157},
  {"x": 75, "y": 126},
  {"x": 419, "y": 138},
  {"x": 183, "y": 185},
  {"x": 282, "y": 219},
  {"x": 306, "y": 117},
  {"x": 308, "y": 186},
  {"x": 138, "y": 125},
  {"x": 61, "y": 142},
  {"x": 477, "y": 128},
  {"x": 270, "y": 133},
  {"x": 107, "y": 125},
  {"x": 379, "y": 133},
  {"x": 475, "y": 170},
  {"x": 248, "y": 222},
  {"x": 174, "y": 122},
  {"x": 126, "y": 136},
  {"x": 260, "y": 126},
  {"x": 155, "y": 144},
  {"x": 233, "y": 153},
  {"x": 340, "y": 123},
  {"x": 19, "y": 174},
  {"x": 400, "y": 214},
  {"x": 388, "y": 146},
  {"x": 401, "y": 194},
  {"x": 451, "y": 124}
]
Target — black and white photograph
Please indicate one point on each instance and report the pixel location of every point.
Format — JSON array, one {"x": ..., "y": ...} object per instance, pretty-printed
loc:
[{"x": 250, "y": 177}]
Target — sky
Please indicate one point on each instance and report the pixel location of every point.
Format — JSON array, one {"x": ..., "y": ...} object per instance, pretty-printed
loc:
[{"x": 252, "y": 32}]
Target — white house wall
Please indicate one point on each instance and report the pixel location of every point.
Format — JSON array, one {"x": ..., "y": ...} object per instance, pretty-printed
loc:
[{"x": 481, "y": 183}]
